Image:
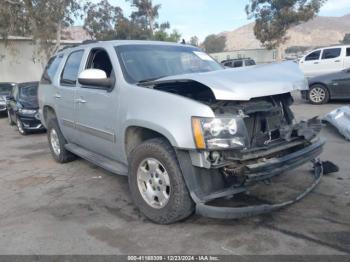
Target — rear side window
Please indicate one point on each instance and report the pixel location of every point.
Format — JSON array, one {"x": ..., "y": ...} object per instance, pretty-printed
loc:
[
  {"x": 313, "y": 56},
  {"x": 238, "y": 64},
  {"x": 71, "y": 69},
  {"x": 331, "y": 53},
  {"x": 51, "y": 69},
  {"x": 348, "y": 51},
  {"x": 250, "y": 62},
  {"x": 229, "y": 64}
]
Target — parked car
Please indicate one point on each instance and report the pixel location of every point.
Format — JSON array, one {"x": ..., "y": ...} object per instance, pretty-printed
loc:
[
  {"x": 238, "y": 62},
  {"x": 326, "y": 60},
  {"x": 5, "y": 90},
  {"x": 326, "y": 87},
  {"x": 22, "y": 108},
  {"x": 186, "y": 132}
]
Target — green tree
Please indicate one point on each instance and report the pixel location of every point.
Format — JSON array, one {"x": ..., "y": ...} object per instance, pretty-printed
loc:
[
  {"x": 214, "y": 43},
  {"x": 102, "y": 19},
  {"x": 346, "y": 40},
  {"x": 145, "y": 14},
  {"x": 44, "y": 20},
  {"x": 194, "y": 41},
  {"x": 274, "y": 17}
]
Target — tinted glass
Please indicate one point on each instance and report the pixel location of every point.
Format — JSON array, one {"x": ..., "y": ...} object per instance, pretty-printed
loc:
[
  {"x": 331, "y": 53},
  {"x": 250, "y": 62},
  {"x": 313, "y": 56},
  {"x": 145, "y": 62},
  {"x": 238, "y": 64},
  {"x": 28, "y": 91},
  {"x": 51, "y": 69},
  {"x": 229, "y": 64},
  {"x": 71, "y": 69},
  {"x": 5, "y": 88},
  {"x": 348, "y": 51}
]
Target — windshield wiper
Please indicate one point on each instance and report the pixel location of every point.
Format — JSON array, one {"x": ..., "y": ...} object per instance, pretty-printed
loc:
[{"x": 148, "y": 80}]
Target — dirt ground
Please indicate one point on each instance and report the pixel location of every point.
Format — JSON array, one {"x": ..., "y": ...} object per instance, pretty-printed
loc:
[{"x": 77, "y": 208}]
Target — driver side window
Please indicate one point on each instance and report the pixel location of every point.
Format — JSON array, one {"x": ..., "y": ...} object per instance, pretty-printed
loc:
[{"x": 99, "y": 59}]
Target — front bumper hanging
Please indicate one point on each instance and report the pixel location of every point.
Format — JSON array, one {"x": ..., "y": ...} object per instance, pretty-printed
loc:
[{"x": 239, "y": 212}]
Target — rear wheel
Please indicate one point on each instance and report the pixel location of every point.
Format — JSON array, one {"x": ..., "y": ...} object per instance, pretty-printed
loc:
[
  {"x": 318, "y": 94},
  {"x": 57, "y": 143},
  {"x": 156, "y": 183}
]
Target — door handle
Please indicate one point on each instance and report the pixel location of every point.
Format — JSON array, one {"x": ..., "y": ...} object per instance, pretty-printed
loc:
[
  {"x": 336, "y": 61},
  {"x": 57, "y": 96},
  {"x": 316, "y": 63},
  {"x": 80, "y": 101}
]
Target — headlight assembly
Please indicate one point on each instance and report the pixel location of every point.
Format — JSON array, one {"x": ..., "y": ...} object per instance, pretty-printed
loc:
[
  {"x": 219, "y": 133},
  {"x": 27, "y": 111}
]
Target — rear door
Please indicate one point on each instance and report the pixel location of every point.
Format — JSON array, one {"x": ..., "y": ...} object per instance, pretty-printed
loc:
[
  {"x": 65, "y": 95},
  {"x": 331, "y": 60},
  {"x": 98, "y": 108},
  {"x": 347, "y": 58},
  {"x": 310, "y": 63}
]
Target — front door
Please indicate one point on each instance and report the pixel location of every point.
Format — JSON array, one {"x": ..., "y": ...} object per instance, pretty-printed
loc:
[
  {"x": 310, "y": 64},
  {"x": 341, "y": 84},
  {"x": 97, "y": 109},
  {"x": 65, "y": 95}
]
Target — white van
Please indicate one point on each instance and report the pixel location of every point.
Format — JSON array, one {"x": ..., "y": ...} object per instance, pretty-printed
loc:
[{"x": 325, "y": 60}]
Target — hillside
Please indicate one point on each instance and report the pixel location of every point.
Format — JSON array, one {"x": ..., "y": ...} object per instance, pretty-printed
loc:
[{"x": 320, "y": 31}]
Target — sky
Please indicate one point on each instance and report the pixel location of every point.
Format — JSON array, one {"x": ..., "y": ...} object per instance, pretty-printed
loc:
[{"x": 204, "y": 17}]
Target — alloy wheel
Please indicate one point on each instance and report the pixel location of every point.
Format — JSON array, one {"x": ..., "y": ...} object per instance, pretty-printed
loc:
[
  {"x": 153, "y": 183},
  {"x": 317, "y": 95},
  {"x": 55, "y": 142}
]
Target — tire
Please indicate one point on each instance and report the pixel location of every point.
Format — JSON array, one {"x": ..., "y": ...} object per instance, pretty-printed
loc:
[
  {"x": 20, "y": 127},
  {"x": 57, "y": 142},
  {"x": 179, "y": 204},
  {"x": 318, "y": 95},
  {"x": 9, "y": 118}
]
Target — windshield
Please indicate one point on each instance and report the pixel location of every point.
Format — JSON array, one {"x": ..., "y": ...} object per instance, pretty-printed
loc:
[
  {"x": 149, "y": 62},
  {"x": 29, "y": 91},
  {"x": 5, "y": 88}
]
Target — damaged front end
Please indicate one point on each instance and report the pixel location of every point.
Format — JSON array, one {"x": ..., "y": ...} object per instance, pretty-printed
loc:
[{"x": 247, "y": 142}]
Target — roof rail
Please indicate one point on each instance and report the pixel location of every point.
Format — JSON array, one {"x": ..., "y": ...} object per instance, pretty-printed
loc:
[{"x": 85, "y": 42}]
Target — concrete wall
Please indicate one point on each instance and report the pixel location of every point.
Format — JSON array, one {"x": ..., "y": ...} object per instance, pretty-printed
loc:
[
  {"x": 259, "y": 55},
  {"x": 17, "y": 62}
]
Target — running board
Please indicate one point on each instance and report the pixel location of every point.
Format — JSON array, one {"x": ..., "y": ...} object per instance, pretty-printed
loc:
[{"x": 101, "y": 161}]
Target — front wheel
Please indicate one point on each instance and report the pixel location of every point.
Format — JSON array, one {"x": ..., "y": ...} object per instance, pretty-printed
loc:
[
  {"x": 318, "y": 95},
  {"x": 156, "y": 183},
  {"x": 20, "y": 127}
]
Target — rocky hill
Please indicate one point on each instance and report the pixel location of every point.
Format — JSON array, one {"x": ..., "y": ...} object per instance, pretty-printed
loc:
[{"x": 321, "y": 31}]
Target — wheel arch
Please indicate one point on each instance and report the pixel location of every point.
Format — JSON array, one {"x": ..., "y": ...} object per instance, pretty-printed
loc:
[
  {"x": 48, "y": 112},
  {"x": 135, "y": 135}
]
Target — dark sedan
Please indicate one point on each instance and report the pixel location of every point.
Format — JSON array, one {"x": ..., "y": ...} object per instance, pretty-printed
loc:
[
  {"x": 5, "y": 90},
  {"x": 330, "y": 86},
  {"x": 22, "y": 108}
]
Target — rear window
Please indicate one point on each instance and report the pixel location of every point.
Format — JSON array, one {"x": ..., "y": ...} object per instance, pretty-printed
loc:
[
  {"x": 51, "y": 69},
  {"x": 331, "y": 53},
  {"x": 313, "y": 56}
]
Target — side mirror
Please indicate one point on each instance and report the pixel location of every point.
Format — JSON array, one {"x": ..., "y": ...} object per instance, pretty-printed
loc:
[{"x": 96, "y": 78}]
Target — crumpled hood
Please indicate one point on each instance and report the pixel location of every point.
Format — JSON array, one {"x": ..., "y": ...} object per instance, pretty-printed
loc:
[
  {"x": 29, "y": 102},
  {"x": 248, "y": 82}
]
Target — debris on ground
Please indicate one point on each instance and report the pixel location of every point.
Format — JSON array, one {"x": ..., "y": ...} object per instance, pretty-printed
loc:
[{"x": 340, "y": 119}]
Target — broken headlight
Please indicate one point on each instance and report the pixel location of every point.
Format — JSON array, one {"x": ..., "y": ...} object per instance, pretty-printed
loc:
[{"x": 219, "y": 133}]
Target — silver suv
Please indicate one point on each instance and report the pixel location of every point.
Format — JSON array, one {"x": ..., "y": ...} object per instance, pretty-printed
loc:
[{"x": 188, "y": 133}]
